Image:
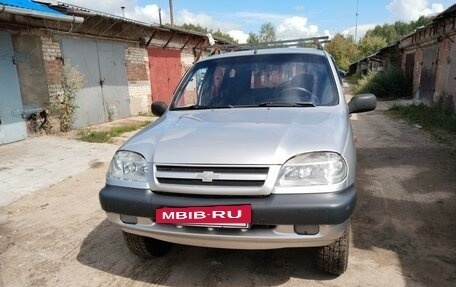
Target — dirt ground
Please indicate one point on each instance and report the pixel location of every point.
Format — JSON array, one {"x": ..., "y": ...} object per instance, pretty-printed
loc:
[{"x": 403, "y": 230}]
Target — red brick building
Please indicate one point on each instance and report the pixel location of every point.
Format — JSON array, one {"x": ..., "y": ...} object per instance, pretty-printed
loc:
[{"x": 429, "y": 58}]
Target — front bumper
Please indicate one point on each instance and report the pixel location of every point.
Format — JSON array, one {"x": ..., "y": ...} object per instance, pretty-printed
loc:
[
  {"x": 275, "y": 209},
  {"x": 273, "y": 218}
]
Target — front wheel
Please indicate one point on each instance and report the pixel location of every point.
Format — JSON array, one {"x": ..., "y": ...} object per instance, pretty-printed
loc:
[
  {"x": 333, "y": 258},
  {"x": 144, "y": 246}
]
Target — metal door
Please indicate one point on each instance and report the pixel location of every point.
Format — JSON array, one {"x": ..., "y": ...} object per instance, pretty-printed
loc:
[
  {"x": 428, "y": 71},
  {"x": 105, "y": 93},
  {"x": 114, "y": 83},
  {"x": 83, "y": 56},
  {"x": 12, "y": 125},
  {"x": 409, "y": 71},
  {"x": 450, "y": 86},
  {"x": 165, "y": 72}
]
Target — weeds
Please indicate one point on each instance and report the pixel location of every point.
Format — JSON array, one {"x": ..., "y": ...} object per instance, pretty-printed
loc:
[
  {"x": 389, "y": 84},
  {"x": 437, "y": 118},
  {"x": 62, "y": 96},
  {"x": 104, "y": 136}
]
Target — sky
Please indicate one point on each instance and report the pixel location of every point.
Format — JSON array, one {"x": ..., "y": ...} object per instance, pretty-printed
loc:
[{"x": 292, "y": 18}]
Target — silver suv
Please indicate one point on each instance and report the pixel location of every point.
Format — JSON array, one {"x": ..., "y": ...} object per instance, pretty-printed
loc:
[{"x": 255, "y": 152}]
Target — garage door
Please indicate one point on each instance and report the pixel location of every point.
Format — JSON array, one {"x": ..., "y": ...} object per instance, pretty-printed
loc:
[
  {"x": 165, "y": 72},
  {"x": 12, "y": 125},
  {"x": 105, "y": 93},
  {"x": 450, "y": 86},
  {"x": 428, "y": 70}
]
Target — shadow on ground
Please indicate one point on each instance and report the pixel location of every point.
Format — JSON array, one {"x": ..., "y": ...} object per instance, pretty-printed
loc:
[
  {"x": 103, "y": 249},
  {"x": 407, "y": 204}
]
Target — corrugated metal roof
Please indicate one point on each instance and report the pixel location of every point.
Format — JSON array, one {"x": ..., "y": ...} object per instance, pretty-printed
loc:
[{"x": 30, "y": 5}]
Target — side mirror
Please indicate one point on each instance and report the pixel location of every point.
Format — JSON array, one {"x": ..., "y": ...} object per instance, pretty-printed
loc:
[
  {"x": 342, "y": 73},
  {"x": 362, "y": 103},
  {"x": 159, "y": 108}
]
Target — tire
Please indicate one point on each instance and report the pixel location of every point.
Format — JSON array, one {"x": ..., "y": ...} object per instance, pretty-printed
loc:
[
  {"x": 333, "y": 258},
  {"x": 144, "y": 246}
]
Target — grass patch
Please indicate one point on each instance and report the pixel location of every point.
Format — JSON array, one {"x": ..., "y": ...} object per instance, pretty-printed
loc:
[
  {"x": 93, "y": 136},
  {"x": 439, "y": 119}
]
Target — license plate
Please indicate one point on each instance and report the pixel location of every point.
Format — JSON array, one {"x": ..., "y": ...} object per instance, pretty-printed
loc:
[{"x": 214, "y": 216}]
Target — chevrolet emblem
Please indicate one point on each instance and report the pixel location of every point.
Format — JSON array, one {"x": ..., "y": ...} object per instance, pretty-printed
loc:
[{"x": 207, "y": 176}]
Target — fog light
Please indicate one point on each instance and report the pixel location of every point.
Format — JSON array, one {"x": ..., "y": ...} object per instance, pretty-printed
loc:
[
  {"x": 306, "y": 229},
  {"x": 129, "y": 219}
]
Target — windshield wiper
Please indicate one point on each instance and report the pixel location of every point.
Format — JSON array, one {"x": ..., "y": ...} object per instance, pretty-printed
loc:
[
  {"x": 202, "y": 107},
  {"x": 193, "y": 107},
  {"x": 297, "y": 104},
  {"x": 273, "y": 104},
  {"x": 305, "y": 104}
]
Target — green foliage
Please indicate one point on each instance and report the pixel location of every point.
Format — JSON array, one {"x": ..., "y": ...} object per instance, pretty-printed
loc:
[
  {"x": 343, "y": 50},
  {"x": 387, "y": 84},
  {"x": 439, "y": 118},
  {"x": 267, "y": 34},
  {"x": 371, "y": 44},
  {"x": 89, "y": 135},
  {"x": 199, "y": 28},
  {"x": 62, "y": 96},
  {"x": 394, "y": 32}
]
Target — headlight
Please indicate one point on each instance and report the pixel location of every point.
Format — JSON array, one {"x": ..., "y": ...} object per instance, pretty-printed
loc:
[
  {"x": 128, "y": 166},
  {"x": 320, "y": 168}
]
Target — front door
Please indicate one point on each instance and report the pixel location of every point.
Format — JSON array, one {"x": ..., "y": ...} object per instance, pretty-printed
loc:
[{"x": 12, "y": 125}]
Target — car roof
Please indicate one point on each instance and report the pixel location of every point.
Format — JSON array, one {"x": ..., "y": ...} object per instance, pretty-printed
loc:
[{"x": 271, "y": 51}]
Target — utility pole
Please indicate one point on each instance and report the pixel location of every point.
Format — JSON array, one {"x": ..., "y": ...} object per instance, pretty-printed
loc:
[
  {"x": 123, "y": 11},
  {"x": 356, "y": 25},
  {"x": 171, "y": 12}
]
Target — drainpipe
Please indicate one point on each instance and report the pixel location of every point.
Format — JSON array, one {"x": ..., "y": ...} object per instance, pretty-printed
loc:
[{"x": 26, "y": 12}]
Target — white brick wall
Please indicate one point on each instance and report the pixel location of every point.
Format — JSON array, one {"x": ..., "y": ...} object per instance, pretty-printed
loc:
[
  {"x": 140, "y": 97},
  {"x": 136, "y": 55},
  {"x": 187, "y": 60},
  {"x": 51, "y": 49}
]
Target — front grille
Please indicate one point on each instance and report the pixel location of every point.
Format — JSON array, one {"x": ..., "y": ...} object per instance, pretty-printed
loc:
[
  {"x": 211, "y": 175},
  {"x": 215, "y": 169}
]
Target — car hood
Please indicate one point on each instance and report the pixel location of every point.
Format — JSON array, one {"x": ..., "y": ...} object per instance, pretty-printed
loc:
[{"x": 247, "y": 136}]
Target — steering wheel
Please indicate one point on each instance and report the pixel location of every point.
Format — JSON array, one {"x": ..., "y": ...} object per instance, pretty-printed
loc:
[{"x": 299, "y": 93}]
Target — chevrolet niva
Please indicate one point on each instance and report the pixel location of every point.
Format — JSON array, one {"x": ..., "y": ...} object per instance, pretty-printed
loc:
[{"x": 255, "y": 151}]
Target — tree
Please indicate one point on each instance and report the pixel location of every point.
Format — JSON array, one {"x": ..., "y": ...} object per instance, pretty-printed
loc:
[
  {"x": 394, "y": 32},
  {"x": 267, "y": 34},
  {"x": 343, "y": 50},
  {"x": 199, "y": 28},
  {"x": 371, "y": 44}
]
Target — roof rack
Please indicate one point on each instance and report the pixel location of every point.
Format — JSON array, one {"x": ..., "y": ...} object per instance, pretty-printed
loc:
[{"x": 301, "y": 42}]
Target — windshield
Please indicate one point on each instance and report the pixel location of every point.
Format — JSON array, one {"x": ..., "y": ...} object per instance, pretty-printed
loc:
[{"x": 258, "y": 80}]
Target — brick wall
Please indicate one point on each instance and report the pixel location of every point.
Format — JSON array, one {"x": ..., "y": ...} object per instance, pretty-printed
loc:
[
  {"x": 52, "y": 55},
  {"x": 436, "y": 35},
  {"x": 138, "y": 79}
]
